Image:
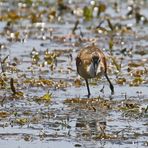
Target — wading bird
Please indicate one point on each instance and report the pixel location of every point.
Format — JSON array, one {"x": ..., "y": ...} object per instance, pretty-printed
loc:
[{"x": 91, "y": 63}]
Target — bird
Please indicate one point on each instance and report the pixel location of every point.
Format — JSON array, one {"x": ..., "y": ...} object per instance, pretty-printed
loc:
[{"x": 91, "y": 63}]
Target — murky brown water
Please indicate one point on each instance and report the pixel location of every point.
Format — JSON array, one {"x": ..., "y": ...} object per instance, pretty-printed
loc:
[{"x": 43, "y": 103}]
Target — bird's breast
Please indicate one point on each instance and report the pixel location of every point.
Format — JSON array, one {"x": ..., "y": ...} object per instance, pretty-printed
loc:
[
  {"x": 91, "y": 71},
  {"x": 88, "y": 71},
  {"x": 94, "y": 72}
]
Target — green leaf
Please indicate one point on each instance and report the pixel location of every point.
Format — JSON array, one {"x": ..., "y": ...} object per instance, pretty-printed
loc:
[
  {"x": 47, "y": 97},
  {"x": 87, "y": 13}
]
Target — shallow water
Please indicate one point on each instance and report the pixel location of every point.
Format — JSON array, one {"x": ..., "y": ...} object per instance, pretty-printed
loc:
[{"x": 65, "y": 117}]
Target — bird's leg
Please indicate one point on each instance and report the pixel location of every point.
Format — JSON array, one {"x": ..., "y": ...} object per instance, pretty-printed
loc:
[
  {"x": 87, "y": 87},
  {"x": 110, "y": 84}
]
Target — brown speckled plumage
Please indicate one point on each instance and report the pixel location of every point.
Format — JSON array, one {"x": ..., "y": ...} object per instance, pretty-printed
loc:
[{"x": 85, "y": 62}]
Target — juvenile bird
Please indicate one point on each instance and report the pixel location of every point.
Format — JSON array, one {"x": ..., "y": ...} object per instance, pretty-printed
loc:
[{"x": 91, "y": 63}]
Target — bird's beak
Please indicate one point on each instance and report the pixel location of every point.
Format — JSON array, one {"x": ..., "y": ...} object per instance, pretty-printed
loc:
[{"x": 95, "y": 64}]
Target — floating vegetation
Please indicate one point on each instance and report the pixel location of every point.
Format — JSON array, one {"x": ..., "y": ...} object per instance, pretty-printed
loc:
[
  {"x": 90, "y": 104},
  {"x": 45, "y": 98},
  {"x": 121, "y": 81},
  {"x": 39, "y": 82},
  {"x": 77, "y": 82},
  {"x": 3, "y": 114},
  {"x": 21, "y": 121},
  {"x": 41, "y": 96}
]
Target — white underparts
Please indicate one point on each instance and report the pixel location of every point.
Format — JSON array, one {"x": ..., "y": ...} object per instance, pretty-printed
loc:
[{"x": 92, "y": 71}]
